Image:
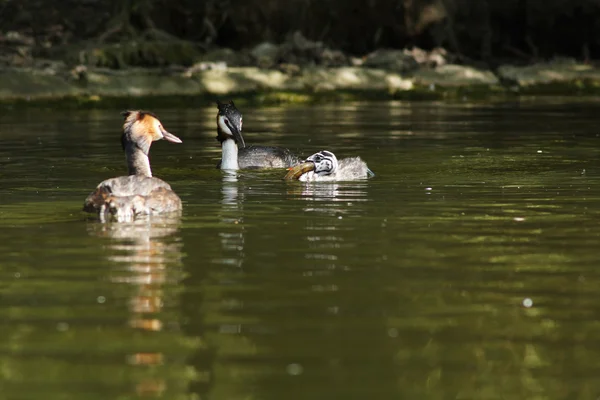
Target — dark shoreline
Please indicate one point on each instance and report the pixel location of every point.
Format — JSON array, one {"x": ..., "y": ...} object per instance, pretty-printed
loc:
[{"x": 98, "y": 87}]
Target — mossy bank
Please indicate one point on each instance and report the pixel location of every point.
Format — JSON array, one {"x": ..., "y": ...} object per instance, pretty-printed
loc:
[{"x": 98, "y": 87}]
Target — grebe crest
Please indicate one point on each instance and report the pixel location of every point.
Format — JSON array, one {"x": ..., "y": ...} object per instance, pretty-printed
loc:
[{"x": 142, "y": 128}]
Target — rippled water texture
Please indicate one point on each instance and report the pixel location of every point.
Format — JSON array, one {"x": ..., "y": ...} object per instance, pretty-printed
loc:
[{"x": 468, "y": 268}]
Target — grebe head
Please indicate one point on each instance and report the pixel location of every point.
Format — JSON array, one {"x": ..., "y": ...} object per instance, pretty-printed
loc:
[
  {"x": 320, "y": 164},
  {"x": 143, "y": 128},
  {"x": 325, "y": 162},
  {"x": 229, "y": 123}
]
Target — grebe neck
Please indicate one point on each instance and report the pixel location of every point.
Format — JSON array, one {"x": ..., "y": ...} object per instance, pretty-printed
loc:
[
  {"x": 229, "y": 158},
  {"x": 138, "y": 162}
]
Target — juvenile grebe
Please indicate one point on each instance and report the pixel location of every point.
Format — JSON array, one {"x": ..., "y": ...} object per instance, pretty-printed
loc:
[
  {"x": 139, "y": 193},
  {"x": 235, "y": 154},
  {"x": 324, "y": 166}
]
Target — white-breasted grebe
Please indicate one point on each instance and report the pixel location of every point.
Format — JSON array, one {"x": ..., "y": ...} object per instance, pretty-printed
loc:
[
  {"x": 235, "y": 153},
  {"x": 324, "y": 166},
  {"x": 139, "y": 193}
]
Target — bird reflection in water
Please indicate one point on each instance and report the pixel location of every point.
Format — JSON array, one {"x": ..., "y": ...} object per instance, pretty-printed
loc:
[
  {"x": 230, "y": 189},
  {"x": 333, "y": 198},
  {"x": 231, "y": 214},
  {"x": 147, "y": 255},
  {"x": 327, "y": 205}
]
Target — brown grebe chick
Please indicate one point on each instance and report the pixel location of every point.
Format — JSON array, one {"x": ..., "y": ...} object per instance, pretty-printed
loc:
[
  {"x": 324, "y": 166},
  {"x": 139, "y": 193},
  {"x": 235, "y": 153}
]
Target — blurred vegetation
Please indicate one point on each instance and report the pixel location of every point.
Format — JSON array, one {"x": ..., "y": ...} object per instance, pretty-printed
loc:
[{"x": 159, "y": 32}]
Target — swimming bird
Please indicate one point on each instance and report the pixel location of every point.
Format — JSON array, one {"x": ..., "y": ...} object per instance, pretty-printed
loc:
[
  {"x": 140, "y": 192},
  {"x": 324, "y": 166},
  {"x": 235, "y": 153}
]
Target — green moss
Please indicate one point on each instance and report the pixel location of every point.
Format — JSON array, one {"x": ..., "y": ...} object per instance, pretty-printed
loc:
[
  {"x": 577, "y": 87},
  {"x": 418, "y": 93}
]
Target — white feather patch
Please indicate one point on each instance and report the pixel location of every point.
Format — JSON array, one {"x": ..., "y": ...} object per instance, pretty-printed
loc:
[{"x": 223, "y": 125}]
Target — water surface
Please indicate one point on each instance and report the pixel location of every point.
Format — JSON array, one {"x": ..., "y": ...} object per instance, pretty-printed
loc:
[{"x": 409, "y": 285}]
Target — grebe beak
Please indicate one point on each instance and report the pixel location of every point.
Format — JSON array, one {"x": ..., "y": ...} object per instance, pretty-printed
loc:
[
  {"x": 237, "y": 136},
  {"x": 295, "y": 172},
  {"x": 170, "y": 137}
]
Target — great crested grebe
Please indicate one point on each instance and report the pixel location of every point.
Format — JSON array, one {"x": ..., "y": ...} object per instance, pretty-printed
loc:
[
  {"x": 139, "y": 193},
  {"x": 235, "y": 154},
  {"x": 324, "y": 166}
]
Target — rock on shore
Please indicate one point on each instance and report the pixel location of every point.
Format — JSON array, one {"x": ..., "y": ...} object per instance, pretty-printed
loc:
[{"x": 297, "y": 66}]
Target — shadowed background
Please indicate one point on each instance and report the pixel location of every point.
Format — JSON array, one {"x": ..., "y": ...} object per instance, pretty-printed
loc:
[{"x": 161, "y": 32}]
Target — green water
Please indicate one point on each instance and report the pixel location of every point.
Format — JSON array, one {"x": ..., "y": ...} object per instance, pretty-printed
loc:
[{"x": 407, "y": 286}]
